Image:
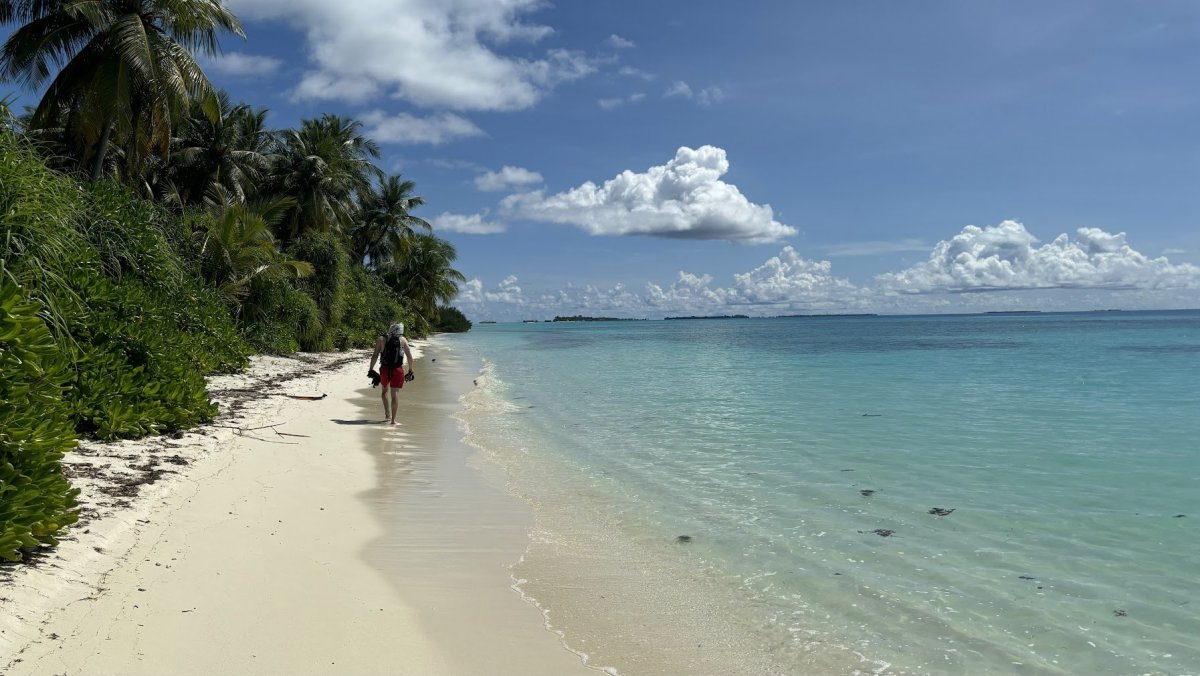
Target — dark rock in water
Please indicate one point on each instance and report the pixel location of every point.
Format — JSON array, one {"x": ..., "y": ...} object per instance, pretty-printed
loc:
[
  {"x": 941, "y": 511},
  {"x": 1025, "y": 577},
  {"x": 867, "y": 492},
  {"x": 1120, "y": 613},
  {"x": 684, "y": 538},
  {"x": 872, "y": 415},
  {"x": 847, "y": 470},
  {"x": 1179, "y": 516},
  {"x": 883, "y": 532}
]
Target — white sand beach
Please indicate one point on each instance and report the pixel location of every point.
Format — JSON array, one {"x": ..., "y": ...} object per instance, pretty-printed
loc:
[{"x": 292, "y": 536}]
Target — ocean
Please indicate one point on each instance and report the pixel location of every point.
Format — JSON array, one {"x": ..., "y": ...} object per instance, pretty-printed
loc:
[{"x": 1007, "y": 494}]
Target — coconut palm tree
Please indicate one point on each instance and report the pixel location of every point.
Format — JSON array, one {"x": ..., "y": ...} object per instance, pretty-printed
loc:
[
  {"x": 424, "y": 276},
  {"x": 230, "y": 149},
  {"x": 125, "y": 67},
  {"x": 238, "y": 246},
  {"x": 385, "y": 224},
  {"x": 323, "y": 165}
]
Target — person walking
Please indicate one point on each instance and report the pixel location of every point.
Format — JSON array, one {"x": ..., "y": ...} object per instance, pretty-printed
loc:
[{"x": 391, "y": 349}]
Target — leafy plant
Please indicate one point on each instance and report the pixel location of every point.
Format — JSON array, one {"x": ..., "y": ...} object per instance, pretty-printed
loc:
[{"x": 36, "y": 501}]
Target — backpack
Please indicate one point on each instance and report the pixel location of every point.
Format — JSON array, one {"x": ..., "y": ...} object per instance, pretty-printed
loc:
[{"x": 393, "y": 353}]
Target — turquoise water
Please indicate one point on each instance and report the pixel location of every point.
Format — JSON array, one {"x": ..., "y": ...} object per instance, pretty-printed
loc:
[{"x": 1065, "y": 444}]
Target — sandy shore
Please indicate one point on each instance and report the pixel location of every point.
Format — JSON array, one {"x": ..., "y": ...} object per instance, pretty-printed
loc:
[{"x": 293, "y": 536}]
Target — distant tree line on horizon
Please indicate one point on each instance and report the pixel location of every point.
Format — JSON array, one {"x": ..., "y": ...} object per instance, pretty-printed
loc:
[{"x": 156, "y": 232}]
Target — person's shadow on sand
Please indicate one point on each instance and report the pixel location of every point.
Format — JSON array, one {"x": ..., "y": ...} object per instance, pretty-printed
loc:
[{"x": 357, "y": 422}]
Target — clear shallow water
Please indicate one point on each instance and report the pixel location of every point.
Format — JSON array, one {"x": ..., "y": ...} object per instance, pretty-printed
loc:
[{"x": 1065, "y": 444}]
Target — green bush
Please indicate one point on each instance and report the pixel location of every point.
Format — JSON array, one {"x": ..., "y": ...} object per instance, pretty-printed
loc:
[
  {"x": 451, "y": 320},
  {"x": 370, "y": 307},
  {"x": 327, "y": 286},
  {"x": 36, "y": 502},
  {"x": 140, "y": 332},
  {"x": 277, "y": 316}
]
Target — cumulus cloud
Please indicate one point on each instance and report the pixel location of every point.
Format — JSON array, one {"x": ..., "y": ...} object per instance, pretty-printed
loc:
[
  {"x": 410, "y": 129},
  {"x": 609, "y": 104},
  {"x": 241, "y": 64},
  {"x": 684, "y": 199},
  {"x": 1005, "y": 256},
  {"x": 506, "y": 179},
  {"x": 789, "y": 279},
  {"x": 473, "y": 224},
  {"x": 432, "y": 54},
  {"x": 617, "y": 42},
  {"x": 705, "y": 97},
  {"x": 784, "y": 283}
]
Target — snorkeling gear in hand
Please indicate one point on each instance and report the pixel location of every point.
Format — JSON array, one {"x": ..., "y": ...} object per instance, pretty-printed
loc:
[{"x": 375, "y": 377}]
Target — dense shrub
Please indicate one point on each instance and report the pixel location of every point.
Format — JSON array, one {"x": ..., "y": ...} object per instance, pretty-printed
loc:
[
  {"x": 370, "y": 307},
  {"x": 139, "y": 330},
  {"x": 327, "y": 286},
  {"x": 35, "y": 428},
  {"x": 277, "y": 316},
  {"x": 451, "y": 320}
]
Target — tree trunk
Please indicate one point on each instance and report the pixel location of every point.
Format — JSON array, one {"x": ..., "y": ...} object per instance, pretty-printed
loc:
[{"x": 101, "y": 151}]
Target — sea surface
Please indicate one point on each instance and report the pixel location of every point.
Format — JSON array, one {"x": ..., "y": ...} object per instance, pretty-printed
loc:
[{"x": 754, "y": 495}]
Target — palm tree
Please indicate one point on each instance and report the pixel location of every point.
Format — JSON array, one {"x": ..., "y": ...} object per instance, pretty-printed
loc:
[
  {"x": 323, "y": 165},
  {"x": 125, "y": 67},
  {"x": 230, "y": 149},
  {"x": 238, "y": 246},
  {"x": 385, "y": 225},
  {"x": 425, "y": 276}
]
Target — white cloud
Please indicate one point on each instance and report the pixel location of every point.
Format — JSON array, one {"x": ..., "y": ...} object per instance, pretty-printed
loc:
[
  {"x": 684, "y": 198},
  {"x": 406, "y": 128},
  {"x": 705, "y": 97},
  {"x": 710, "y": 95},
  {"x": 507, "y": 178},
  {"x": 473, "y": 224},
  {"x": 783, "y": 284},
  {"x": 678, "y": 89},
  {"x": 241, "y": 64},
  {"x": 432, "y": 54},
  {"x": 630, "y": 71},
  {"x": 1005, "y": 257},
  {"x": 788, "y": 283},
  {"x": 609, "y": 104},
  {"x": 1174, "y": 252},
  {"x": 617, "y": 42},
  {"x": 789, "y": 280}
]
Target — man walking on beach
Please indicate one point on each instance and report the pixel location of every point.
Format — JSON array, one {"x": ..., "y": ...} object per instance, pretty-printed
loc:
[{"x": 391, "y": 349}]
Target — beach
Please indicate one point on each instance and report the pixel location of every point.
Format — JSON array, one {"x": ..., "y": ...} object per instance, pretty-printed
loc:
[{"x": 296, "y": 534}]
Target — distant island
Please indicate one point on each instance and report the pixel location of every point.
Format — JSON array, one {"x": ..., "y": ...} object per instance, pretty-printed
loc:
[
  {"x": 1014, "y": 312},
  {"x": 712, "y": 317},
  {"x": 583, "y": 318},
  {"x": 860, "y": 314}
]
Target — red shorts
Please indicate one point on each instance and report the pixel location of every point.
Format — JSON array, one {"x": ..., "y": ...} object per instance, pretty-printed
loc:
[{"x": 391, "y": 376}]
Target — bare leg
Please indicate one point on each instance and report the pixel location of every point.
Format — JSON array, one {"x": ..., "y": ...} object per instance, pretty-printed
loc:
[
  {"x": 395, "y": 402},
  {"x": 386, "y": 411}
]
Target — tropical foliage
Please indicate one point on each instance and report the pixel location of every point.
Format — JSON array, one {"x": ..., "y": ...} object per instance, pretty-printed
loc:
[{"x": 154, "y": 231}]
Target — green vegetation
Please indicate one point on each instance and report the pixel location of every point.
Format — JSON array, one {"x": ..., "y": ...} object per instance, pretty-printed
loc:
[
  {"x": 153, "y": 232},
  {"x": 451, "y": 320},
  {"x": 585, "y": 318}
]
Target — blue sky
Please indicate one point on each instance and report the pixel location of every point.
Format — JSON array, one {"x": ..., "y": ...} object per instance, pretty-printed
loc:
[{"x": 876, "y": 132}]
